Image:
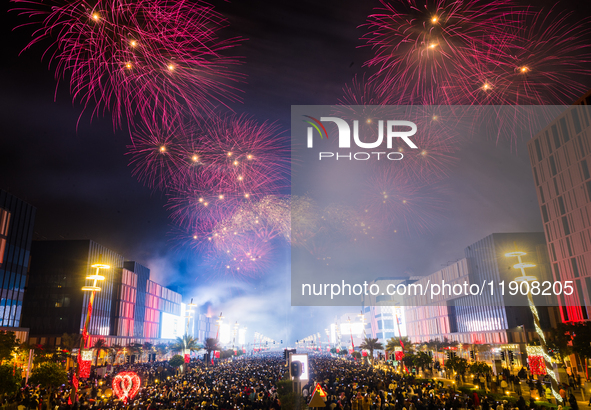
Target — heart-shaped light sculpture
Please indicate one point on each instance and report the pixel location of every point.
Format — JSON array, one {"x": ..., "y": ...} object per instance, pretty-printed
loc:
[{"x": 126, "y": 385}]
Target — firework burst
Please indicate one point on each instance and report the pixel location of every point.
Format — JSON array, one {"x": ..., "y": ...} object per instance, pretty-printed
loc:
[
  {"x": 146, "y": 59},
  {"x": 240, "y": 162},
  {"x": 400, "y": 203},
  {"x": 421, "y": 45}
]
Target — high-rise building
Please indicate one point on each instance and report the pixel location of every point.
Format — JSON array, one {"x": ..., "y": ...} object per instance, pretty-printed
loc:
[
  {"x": 560, "y": 156},
  {"x": 383, "y": 314},
  {"x": 127, "y": 310},
  {"x": 16, "y": 233}
]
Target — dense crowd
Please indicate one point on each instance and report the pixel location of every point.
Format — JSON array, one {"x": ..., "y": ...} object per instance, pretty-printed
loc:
[{"x": 261, "y": 383}]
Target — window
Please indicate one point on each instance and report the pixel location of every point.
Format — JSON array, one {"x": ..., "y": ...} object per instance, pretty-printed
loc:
[
  {"x": 564, "y": 129},
  {"x": 585, "y": 170},
  {"x": 575, "y": 116},
  {"x": 573, "y": 262},
  {"x": 553, "y": 165},
  {"x": 565, "y": 225},
  {"x": 545, "y": 213},
  {"x": 570, "y": 249},
  {"x": 561, "y": 205},
  {"x": 542, "y": 195},
  {"x": 538, "y": 149},
  {"x": 556, "y": 137}
]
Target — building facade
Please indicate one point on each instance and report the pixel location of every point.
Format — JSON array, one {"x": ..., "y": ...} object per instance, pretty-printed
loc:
[
  {"x": 486, "y": 318},
  {"x": 560, "y": 156},
  {"x": 16, "y": 234},
  {"x": 55, "y": 303}
]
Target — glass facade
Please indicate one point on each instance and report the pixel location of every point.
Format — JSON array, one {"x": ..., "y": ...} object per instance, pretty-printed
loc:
[
  {"x": 16, "y": 234},
  {"x": 124, "y": 304},
  {"x": 100, "y": 320},
  {"x": 143, "y": 275},
  {"x": 483, "y": 318},
  {"x": 128, "y": 300}
]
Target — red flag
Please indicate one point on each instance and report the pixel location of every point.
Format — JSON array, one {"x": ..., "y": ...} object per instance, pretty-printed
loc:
[{"x": 212, "y": 361}]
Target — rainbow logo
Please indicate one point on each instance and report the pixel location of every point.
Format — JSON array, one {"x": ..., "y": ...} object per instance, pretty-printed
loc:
[{"x": 315, "y": 124}]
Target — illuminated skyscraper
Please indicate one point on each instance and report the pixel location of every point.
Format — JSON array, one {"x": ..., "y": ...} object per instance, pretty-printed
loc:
[
  {"x": 561, "y": 163},
  {"x": 16, "y": 233}
]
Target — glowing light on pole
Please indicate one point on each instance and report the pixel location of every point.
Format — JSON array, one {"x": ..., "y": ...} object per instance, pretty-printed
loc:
[
  {"x": 524, "y": 278},
  {"x": 84, "y": 340},
  {"x": 219, "y": 321},
  {"x": 189, "y": 312}
]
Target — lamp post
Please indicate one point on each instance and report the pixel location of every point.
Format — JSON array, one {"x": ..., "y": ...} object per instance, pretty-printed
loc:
[
  {"x": 525, "y": 278},
  {"x": 219, "y": 321},
  {"x": 189, "y": 312},
  {"x": 84, "y": 339},
  {"x": 236, "y": 326}
]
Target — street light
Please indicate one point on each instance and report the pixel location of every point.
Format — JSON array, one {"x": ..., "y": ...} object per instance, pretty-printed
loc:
[
  {"x": 93, "y": 289},
  {"x": 525, "y": 278},
  {"x": 219, "y": 321}
]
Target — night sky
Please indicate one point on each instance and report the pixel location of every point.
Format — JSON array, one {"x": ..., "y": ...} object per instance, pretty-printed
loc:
[{"x": 75, "y": 170}]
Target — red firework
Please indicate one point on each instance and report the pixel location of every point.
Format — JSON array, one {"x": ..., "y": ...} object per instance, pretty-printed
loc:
[
  {"x": 547, "y": 61},
  {"x": 145, "y": 59},
  {"x": 162, "y": 159},
  {"x": 422, "y": 45},
  {"x": 240, "y": 161}
]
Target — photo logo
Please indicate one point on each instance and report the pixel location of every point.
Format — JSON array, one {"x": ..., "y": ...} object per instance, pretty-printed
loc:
[{"x": 388, "y": 129}]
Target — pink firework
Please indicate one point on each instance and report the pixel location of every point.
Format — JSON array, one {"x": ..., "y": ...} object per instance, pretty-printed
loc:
[
  {"x": 401, "y": 203},
  {"x": 240, "y": 161},
  {"x": 248, "y": 258},
  {"x": 148, "y": 59},
  {"x": 162, "y": 159},
  {"x": 422, "y": 45},
  {"x": 546, "y": 62}
]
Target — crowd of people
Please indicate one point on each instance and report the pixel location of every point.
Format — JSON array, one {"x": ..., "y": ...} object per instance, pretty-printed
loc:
[{"x": 262, "y": 383}]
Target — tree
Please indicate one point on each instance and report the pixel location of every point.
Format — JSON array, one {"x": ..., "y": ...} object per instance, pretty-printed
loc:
[
  {"x": 186, "y": 344},
  {"x": 371, "y": 344},
  {"x": 422, "y": 360},
  {"x": 211, "y": 345},
  {"x": 457, "y": 364},
  {"x": 99, "y": 346},
  {"x": 8, "y": 345},
  {"x": 480, "y": 368},
  {"x": 50, "y": 376},
  {"x": 395, "y": 342},
  {"x": 10, "y": 380},
  {"x": 176, "y": 361}
]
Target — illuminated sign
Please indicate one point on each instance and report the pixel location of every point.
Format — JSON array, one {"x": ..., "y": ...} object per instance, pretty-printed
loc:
[
  {"x": 303, "y": 359},
  {"x": 171, "y": 326}
]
